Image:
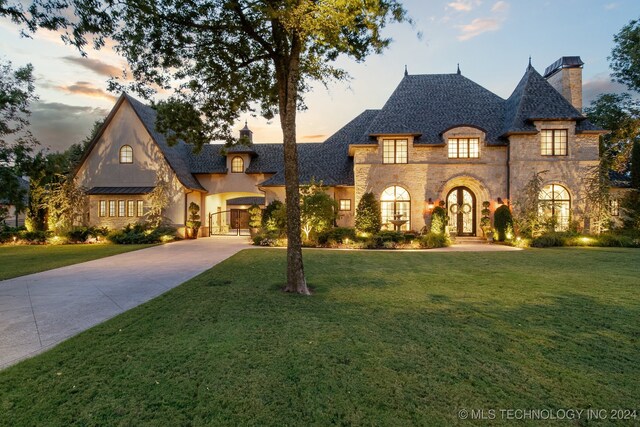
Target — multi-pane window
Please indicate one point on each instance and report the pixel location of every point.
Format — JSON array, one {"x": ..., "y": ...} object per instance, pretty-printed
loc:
[
  {"x": 237, "y": 165},
  {"x": 345, "y": 204},
  {"x": 131, "y": 208},
  {"x": 614, "y": 207},
  {"x": 122, "y": 208},
  {"x": 103, "y": 208},
  {"x": 394, "y": 150},
  {"x": 553, "y": 142},
  {"x": 395, "y": 206},
  {"x": 126, "y": 154},
  {"x": 554, "y": 203},
  {"x": 140, "y": 208},
  {"x": 112, "y": 208},
  {"x": 464, "y": 148}
]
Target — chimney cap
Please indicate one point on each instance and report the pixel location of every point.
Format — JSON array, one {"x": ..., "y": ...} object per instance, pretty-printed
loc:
[{"x": 563, "y": 62}]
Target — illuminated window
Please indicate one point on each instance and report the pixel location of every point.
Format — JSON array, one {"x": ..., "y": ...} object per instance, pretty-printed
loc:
[
  {"x": 394, "y": 151},
  {"x": 103, "y": 208},
  {"x": 395, "y": 205},
  {"x": 553, "y": 142},
  {"x": 237, "y": 165},
  {"x": 464, "y": 148},
  {"x": 614, "y": 207},
  {"x": 122, "y": 208},
  {"x": 140, "y": 208},
  {"x": 555, "y": 205},
  {"x": 112, "y": 208},
  {"x": 126, "y": 154},
  {"x": 131, "y": 208},
  {"x": 345, "y": 204}
]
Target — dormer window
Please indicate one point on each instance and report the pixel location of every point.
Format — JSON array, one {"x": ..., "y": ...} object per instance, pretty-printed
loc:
[
  {"x": 394, "y": 150},
  {"x": 464, "y": 148},
  {"x": 237, "y": 165},
  {"x": 126, "y": 154},
  {"x": 553, "y": 142}
]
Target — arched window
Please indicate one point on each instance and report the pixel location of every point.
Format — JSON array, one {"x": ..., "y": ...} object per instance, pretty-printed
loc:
[
  {"x": 555, "y": 203},
  {"x": 237, "y": 165},
  {"x": 126, "y": 154},
  {"x": 395, "y": 205}
]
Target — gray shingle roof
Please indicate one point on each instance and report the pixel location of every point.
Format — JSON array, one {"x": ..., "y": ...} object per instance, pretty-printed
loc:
[
  {"x": 119, "y": 190},
  {"x": 238, "y": 201},
  {"x": 175, "y": 155},
  {"x": 428, "y": 105}
]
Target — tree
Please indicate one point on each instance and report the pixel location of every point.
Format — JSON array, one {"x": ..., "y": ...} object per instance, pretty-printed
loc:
[
  {"x": 158, "y": 200},
  {"x": 503, "y": 223},
  {"x": 597, "y": 188},
  {"x": 274, "y": 217},
  {"x": 66, "y": 205},
  {"x": 635, "y": 165},
  {"x": 620, "y": 115},
  {"x": 368, "y": 215},
  {"x": 625, "y": 56},
  {"x": 193, "y": 224},
  {"x": 225, "y": 57},
  {"x": 526, "y": 208},
  {"x": 318, "y": 210}
]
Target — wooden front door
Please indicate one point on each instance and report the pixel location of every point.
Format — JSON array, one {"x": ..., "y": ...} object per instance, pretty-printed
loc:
[
  {"x": 461, "y": 208},
  {"x": 239, "y": 219}
]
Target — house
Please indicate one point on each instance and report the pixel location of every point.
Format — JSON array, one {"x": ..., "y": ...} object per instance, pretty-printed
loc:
[
  {"x": 440, "y": 138},
  {"x": 15, "y": 218}
]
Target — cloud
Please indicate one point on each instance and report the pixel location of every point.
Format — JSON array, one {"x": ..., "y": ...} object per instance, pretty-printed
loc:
[
  {"x": 315, "y": 138},
  {"x": 57, "y": 125},
  {"x": 500, "y": 7},
  {"x": 463, "y": 5},
  {"x": 599, "y": 84},
  {"x": 611, "y": 6},
  {"x": 94, "y": 65},
  {"x": 477, "y": 27},
  {"x": 86, "y": 89},
  {"x": 482, "y": 25}
]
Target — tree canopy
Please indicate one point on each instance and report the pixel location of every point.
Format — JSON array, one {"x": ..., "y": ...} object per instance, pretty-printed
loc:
[{"x": 625, "y": 56}]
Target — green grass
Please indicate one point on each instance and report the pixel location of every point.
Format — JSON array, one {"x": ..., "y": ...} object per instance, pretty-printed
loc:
[
  {"x": 20, "y": 260},
  {"x": 387, "y": 339}
]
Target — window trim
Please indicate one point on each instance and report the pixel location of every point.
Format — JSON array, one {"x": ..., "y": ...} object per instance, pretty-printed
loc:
[
  {"x": 131, "y": 208},
  {"x": 122, "y": 208},
  {"x": 396, "y": 202},
  {"x": 113, "y": 209},
  {"x": 394, "y": 141},
  {"x": 140, "y": 208},
  {"x": 102, "y": 208},
  {"x": 120, "y": 155},
  {"x": 553, "y": 142},
  {"x": 554, "y": 203},
  {"x": 241, "y": 165},
  {"x": 340, "y": 205},
  {"x": 458, "y": 156}
]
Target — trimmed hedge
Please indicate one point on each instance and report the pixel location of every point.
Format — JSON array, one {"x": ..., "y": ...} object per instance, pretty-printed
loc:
[
  {"x": 141, "y": 234},
  {"x": 570, "y": 239},
  {"x": 503, "y": 222}
]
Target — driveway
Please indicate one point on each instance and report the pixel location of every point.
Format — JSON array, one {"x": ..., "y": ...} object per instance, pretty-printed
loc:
[{"x": 40, "y": 310}]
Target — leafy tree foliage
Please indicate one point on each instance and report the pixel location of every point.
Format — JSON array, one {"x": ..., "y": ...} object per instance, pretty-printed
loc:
[
  {"x": 158, "y": 200},
  {"x": 439, "y": 220},
  {"x": 226, "y": 57},
  {"x": 620, "y": 114},
  {"x": 635, "y": 165},
  {"x": 368, "y": 215},
  {"x": 625, "y": 56},
  {"x": 598, "y": 197},
  {"x": 503, "y": 222},
  {"x": 318, "y": 209},
  {"x": 526, "y": 208},
  {"x": 66, "y": 205}
]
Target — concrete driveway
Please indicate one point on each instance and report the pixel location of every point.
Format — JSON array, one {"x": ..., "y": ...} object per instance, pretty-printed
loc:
[{"x": 40, "y": 310}]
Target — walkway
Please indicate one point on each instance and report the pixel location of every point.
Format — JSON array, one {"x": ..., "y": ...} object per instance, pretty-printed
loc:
[{"x": 40, "y": 310}]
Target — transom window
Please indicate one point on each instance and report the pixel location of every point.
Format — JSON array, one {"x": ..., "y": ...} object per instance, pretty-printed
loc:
[
  {"x": 555, "y": 204},
  {"x": 464, "y": 148},
  {"x": 126, "y": 154},
  {"x": 345, "y": 204},
  {"x": 395, "y": 205},
  {"x": 394, "y": 150},
  {"x": 553, "y": 142},
  {"x": 237, "y": 165}
]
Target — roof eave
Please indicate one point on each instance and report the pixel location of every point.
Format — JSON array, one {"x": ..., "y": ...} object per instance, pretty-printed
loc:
[{"x": 352, "y": 147}]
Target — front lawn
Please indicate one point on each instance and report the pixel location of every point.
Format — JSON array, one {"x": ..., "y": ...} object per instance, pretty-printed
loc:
[
  {"x": 387, "y": 339},
  {"x": 20, "y": 260}
]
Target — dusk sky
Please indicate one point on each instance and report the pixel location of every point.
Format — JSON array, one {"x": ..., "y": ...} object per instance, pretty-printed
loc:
[{"x": 492, "y": 40}]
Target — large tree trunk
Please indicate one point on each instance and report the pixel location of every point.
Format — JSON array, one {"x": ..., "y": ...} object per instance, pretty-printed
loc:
[{"x": 287, "y": 75}]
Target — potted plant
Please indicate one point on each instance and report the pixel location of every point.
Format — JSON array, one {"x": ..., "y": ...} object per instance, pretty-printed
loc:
[
  {"x": 255, "y": 220},
  {"x": 485, "y": 221},
  {"x": 193, "y": 224}
]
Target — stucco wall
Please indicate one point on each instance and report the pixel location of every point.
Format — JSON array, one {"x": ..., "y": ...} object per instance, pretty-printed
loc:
[{"x": 102, "y": 167}]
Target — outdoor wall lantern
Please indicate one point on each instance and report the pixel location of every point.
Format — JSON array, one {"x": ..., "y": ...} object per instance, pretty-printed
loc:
[
  {"x": 500, "y": 203},
  {"x": 430, "y": 204}
]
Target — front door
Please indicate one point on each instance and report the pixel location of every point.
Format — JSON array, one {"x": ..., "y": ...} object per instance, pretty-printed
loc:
[{"x": 461, "y": 207}]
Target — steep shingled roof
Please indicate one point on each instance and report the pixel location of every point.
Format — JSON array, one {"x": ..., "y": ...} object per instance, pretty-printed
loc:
[
  {"x": 428, "y": 105},
  {"x": 175, "y": 156}
]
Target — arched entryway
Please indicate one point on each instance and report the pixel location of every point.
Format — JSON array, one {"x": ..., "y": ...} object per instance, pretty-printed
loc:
[{"x": 461, "y": 208}]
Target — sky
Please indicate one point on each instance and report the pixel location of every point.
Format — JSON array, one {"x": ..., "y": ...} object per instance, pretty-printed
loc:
[{"x": 490, "y": 39}]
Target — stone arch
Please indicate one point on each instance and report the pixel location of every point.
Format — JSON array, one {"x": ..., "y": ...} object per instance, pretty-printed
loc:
[{"x": 466, "y": 180}]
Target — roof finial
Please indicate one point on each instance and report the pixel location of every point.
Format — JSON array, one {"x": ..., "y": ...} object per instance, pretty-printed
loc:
[
  {"x": 406, "y": 72},
  {"x": 459, "y": 69},
  {"x": 529, "y": 67}
]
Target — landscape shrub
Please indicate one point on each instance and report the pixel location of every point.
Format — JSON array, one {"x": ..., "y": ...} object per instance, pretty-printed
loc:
[
  {"x": 338, "y": 235},
  {"x": 142, "y": 234},
  {"x": 368, "y": 214},
  {"x": 433, "y": 240},
  {"x": 503, "y": 223},
  {"x": 82, "y": 234},
  {"x": 549, "y": 240},
  {"x": 274, "y": 217},
  {"x": 572, "y": 239},
  {"x": 439, "y": 220}
]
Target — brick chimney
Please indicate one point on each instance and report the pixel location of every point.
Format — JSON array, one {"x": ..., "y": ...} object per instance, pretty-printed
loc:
[{"x": 565, "y": 75}]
